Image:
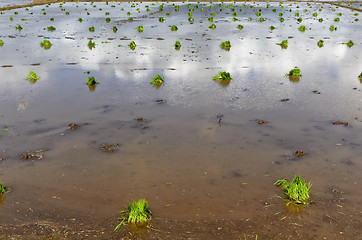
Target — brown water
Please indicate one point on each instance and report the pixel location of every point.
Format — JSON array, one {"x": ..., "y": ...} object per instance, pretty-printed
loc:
[{"x": 199, "y": 156}]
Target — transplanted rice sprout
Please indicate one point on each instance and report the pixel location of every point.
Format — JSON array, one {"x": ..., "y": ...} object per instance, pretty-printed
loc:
[
  {"x": 157, "y": 80},
  {"x": 46, "y": 44},
  {"x": 225, "y": 45},
  {"x": 2, "y": 189},
  {"x": 320, "y": 43},
  {"x": 137, "y": 212},
  {"x": 297, "y": 190},
  {"x": 132, "y": 45},
  {"x": 283, "y": 44},
  {"x": 350, "y": 43}
]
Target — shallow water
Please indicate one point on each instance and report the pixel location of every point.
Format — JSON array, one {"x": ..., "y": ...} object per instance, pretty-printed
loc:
[{"x": 200, "y": 151}]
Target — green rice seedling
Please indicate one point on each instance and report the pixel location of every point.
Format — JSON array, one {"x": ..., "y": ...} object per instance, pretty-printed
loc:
[
  {"x": 80, "y": 20},
  {"x": 161, "y": 19},
  {"x": 211, "y": 19},
  {"x": 132, "y": 45},
  {"x": 281, "y": 19},
  {"x": 225, "y": 45},
  {"x": 51, "y": 29},
  {"x": 261, "y": 19},
  {"x": 18, "y": 28},
  {"x": 157, "y": 81},
  {"x": 240, "y": 26},
  {"x": 174, "y": 28},
  {"x": 272, "y": 28},
  {"x": 300, "y": 20},
  {"x": 296, "y": 14},
  {"x": 191, "y": 19},
  {"x": 320, "y": 20},
  {"x": 315, "y": 14},
  {"x": 258, "y": 14},
  {"x": 283, "y": 44},
  {"x": 92, "y": 81},
  {"x": 11, "y": 18},
  {"x": 137, "y": 213},
  {"x": 360, "y": 77},
  {"x": 115, "y": 29},
  {"x": 280, "y": 14},
  {"x": 140, "y": 28},
  {"x": 108, "y": 20},
  {"x": 91, "y": 44},
  {"x": 297, "y": 190},
  {"x": 189, "y": 14},
  {"x": 302, "y": 28},
  {"x": 32, "y": 77},
  {"x": 294, "y": 75},
  {"x": 339, "y": 14},
  {"x": 46, "y": 44},
  {"x": 336, "y": 19},
  {"x": 177, "y": 45},
  {"x": 51, "y": 19},
  {"x": 222, "y": 76},
  {"x": 212, "y": 26},
  {"x": 1, "y": 43},
  {"x": 234, "y": 19},
  {"x": 320, "y": 43},
  {"x": 66, "y": 13},
  {"x": 350, "y": 43},
  {"x": 91, "y": 29},
  {"x": 2, "y": 188},
  {"x": 332, "y": 28}
]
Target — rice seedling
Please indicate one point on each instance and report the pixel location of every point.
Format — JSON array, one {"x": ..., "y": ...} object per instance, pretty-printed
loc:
[
  {"x": 336, "y": 19},
  {"x": 32, "y": 77},
  {"x": 157, "y": 81},
  {"x": 161, "y": 19},
  {"x": 80, "y": 20},
  {"x": 240, "y": 26},
  {"x": 211, "y": 19},
  {"x": 272, "y": 28},
  {"x": 320, "y": 43},
  {"x": 297, "y": 190},
  {"x": 132, "y": 45},
  {"x": 177, "y": 45},
  {"x": 294, "y": 75},
  {"x": 332, "y": 28},
  {"x": 225, "y": 45},
  {"x": 91, "y": 44},
  {"x": 300, "y": 20},
  {"x": 281, "y": 19},
  {"x": 350, "y": 43},
  {"x": 137, "y": 213},
  {"x": 108, "y": 20},
  {"x": 283, "y": 44},
  {"x": 18, "y": 28},
  {"x": 92, "y": 81},
  {"x": 174, "y": 28},
  {"x": 115, "y": 29},
  {"x": 2, "y": 188},
  {"x": 140, "y": 28},
  {"x": 191, "y": 19},
  {"x": 234, "y": 19},
  {"x": 320, "y": 20},
  {"x": 261, "y": 19},
  {"x": 1, "y": 43},
  {"x": 302, "y": 28},
  {"x": 91, "y": 29},
  {"x": 50, "y": 29},
  {"x": 212, "y": 26},
  {"x": 46, "y": 44},
  {"x": 222, "y": 76},
  {"x": 315, "y": 14},
  {"x": 51, "y": 19}
]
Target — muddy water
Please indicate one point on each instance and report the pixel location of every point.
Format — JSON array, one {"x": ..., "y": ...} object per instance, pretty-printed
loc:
[{"x": 193, "y": 148}]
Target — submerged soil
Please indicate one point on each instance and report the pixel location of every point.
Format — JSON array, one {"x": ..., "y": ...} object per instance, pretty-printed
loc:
[{"x": 205, "y": 155}]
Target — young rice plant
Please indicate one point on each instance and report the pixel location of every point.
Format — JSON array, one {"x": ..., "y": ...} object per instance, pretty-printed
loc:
[
  {"x": 137, "y": 212},
  {"x": 297, "y": 190}
]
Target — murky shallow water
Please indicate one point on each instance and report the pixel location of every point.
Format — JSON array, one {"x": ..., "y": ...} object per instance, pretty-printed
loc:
[{"x": 200, "y": 154}]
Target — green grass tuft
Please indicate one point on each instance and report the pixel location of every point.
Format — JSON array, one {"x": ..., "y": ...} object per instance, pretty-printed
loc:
[
  {"x": 222, "y": 76},
  {"x": 302, "y": 28},
  {"x": 350, "y": 43},
  {"x": 2, "y": 189},
  {"x": 295, "y": 72},
  {"x": 157, "y": 80},
  {"x": 138, "y": 212},
  {"x": 177, "y": 45},
  {"x": 132, "y": 45},
  {"x": 283, "y": 44},
  {"x": 51, "y": 29},
  {"x": 174, "y": 28},
  {"x": 297, "y": 190},
  {"x": 91, "y": 44},
  {"x": 140, "y": 28},
  {"x": 92, "y": 81},
  {"x": 240, "y": 26},
  {"x": 320, "y": 43},
  {"x": 46, "y": 44},
  {"x": 115, "y": 29},
  {"x": 225, "y": 45},
  {"x": 32, "y": 76}
]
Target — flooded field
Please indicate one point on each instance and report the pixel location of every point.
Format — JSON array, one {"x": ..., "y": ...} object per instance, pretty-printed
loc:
[{"x": 204, "y": 153}]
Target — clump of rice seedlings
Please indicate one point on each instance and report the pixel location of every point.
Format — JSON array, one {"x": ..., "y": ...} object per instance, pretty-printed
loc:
[
  {"x": 261, "y": 19},
  {"x": 222, "y": 76},
  {"x": 315, "y": 14},
  {"x": 225, "y": 45},
  {"x": 281, "y": 19},
  {"x": 297, "y": 190},
  {"x": 2, "y": 188},
  {"x": 320, "y": 43},
  {"x": 191, "y": 19},
  {"x": 283, "y": 44},
  {"x": 1, "y": 43},
  {"x": 91, "y": 29},
  {"x": 51, "y": 19},
  {"x": 272, "y": 28},
  {"x": 140, "y": 28},
  {"x": 46, "y": 44},
  {"x": 177, "y": 45},
  {"x": 302, "y": 28},
  {"x": 137, "y": 213},
  {"x": 108, "y": 19},
  {"x": 157, "y": 80},
  {"x": 92, "y": 81},
  {"x": 350, "y": 43},
  {"x": 320, "y": 20},
  {"x": 258, "y": 14},
  {"x": 189, "y": 14},
  {"x": 360, "y": 77},
  {"x": 18, "y": 28},
  {"x": 80, "y": 20},
  {"x": 212, "y": 26},
  {"x": 332, "y": 28},
  {"x": 132, "y": 45},
  {"x": 174, "y": 28},
  {"x": 294, "y": 74},
  {"x": 300, "y": 20},
  {"x": 234, "y": 19},
  {"x": 240, "y": 26},
  {"x": 32, "y": 77},
  {"x": 50, "y": 29},
  {"x": 211, "y": 19},
  {"x": 91, "y": 44},
  {"x": 161, "y": 19},
  {"x": 115, "y": 29},
  {"x": 336, "y": 19}
]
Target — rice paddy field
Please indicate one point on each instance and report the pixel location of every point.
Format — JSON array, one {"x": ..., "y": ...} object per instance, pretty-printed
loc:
[{"x": 204, "y": 152}]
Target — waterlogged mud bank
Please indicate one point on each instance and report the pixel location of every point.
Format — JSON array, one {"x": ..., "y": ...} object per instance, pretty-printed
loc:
[{"x": 203, "y": 152}]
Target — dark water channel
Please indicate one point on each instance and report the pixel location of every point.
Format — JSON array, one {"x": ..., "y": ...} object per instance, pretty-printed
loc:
[{"x": 193, "y": 148}]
